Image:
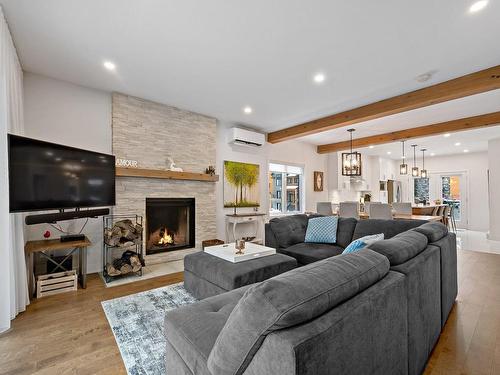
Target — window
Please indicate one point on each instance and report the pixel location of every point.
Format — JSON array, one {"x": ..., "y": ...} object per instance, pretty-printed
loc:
[
  {"x": 285, "y": 189},
  {"x": 421, "y": 192}
]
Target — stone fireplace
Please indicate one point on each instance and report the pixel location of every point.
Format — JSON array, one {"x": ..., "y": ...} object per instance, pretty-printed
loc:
[
  {"x": 140, "y": 128},
  {"x": 170, "y": 224}
]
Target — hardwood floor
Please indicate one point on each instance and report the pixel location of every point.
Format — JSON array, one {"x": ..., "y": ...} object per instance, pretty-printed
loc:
[{"x": 69, "y": 333}]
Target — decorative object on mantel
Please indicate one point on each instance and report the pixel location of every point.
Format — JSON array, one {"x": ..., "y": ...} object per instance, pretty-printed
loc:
[
  {"x": 318, "y": 181},
  {"x": 257, "y": 218},
  {"x": 122, "y": 232},
  {"x": 164, "y": 174},
  {"x": 403, "y": 167},
  {"x": 414, "y": 170},
  {"x": 241, "y": 184},
  {"x": 210, "y": 170},
  {"x": 351, "y": 161},
  {"x": 172, "y": 167},
  {"x": 126, "y": 163}
]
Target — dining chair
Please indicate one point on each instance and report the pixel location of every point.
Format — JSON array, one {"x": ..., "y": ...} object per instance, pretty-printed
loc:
[
  {"x": 324, "y": 208},
  {"x": 446, "y": 216},
  {"x": 381, "y": 211},
  {"x": 452, "y": 218},
  {"x": 349, "y": 209},
  {"x": 402, "y": 208},
  {"x": 368, "y": 205},
  {"x": 440, "y": 212},
  {"x": 435, "y": 211}
]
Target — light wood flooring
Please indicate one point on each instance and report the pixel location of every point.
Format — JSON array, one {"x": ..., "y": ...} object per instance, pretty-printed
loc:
[{"x": 69, "y": 333}]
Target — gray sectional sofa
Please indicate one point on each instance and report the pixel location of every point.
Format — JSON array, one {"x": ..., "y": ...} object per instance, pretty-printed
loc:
[{"x": 376, "y": 311}]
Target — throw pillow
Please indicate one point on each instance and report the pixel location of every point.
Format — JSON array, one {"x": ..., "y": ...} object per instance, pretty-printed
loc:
[
  {"x": 363, "y": 242},
  {"x": 322, "y": 229}
]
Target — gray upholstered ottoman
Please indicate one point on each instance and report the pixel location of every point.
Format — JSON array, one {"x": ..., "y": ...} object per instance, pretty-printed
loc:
[{"x": 206, "y": 275}]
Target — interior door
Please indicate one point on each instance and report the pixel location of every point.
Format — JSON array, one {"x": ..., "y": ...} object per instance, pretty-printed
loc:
[{"x": 451, "y": 189}]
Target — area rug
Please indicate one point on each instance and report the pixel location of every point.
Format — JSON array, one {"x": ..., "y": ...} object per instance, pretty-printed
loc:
[{"x": 137, "y": 323}]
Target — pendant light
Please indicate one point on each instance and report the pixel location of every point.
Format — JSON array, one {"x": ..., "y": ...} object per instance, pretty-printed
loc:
[
  {"x": 403, "y": 168},
  {"x": 423, "y": 172},
  {"x": 351, "y": 161},
  {"x": 414, "y": 170}
]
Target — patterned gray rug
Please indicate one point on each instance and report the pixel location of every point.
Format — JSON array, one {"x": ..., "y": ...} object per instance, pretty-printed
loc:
[{"x": 137, "y": 323}]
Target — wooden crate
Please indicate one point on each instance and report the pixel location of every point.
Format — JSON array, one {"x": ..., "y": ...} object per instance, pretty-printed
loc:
[
  {"x": 214, "y": 242},
  {"x": 54, "y": 283}
]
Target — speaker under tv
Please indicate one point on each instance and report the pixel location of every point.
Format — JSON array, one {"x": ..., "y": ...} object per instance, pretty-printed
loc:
[{"x": 48, "y": 176}]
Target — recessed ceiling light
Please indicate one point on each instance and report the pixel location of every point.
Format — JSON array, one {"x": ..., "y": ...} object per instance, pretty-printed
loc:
[
  {"x": 478, "y": 5},
  {"x": 247, "y": 110},
  {"x": 109, "y": 65},
  {"x": 388, "y": 152},
  {"x": 433, "y": 154},
  {"x": 372, "y": 146},
  {"x": 457, "y": 144},
  {"x": 466, "y": 150},
  {"x": 319, "y": 78},
  {"x": 447, "y": 135}
]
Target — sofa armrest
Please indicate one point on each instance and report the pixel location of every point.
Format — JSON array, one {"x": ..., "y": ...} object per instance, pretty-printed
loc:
[{"x": 271, "y": 240}]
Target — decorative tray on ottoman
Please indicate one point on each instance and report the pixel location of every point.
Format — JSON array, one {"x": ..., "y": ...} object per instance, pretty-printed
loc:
[{"x": 228, "y": 252}]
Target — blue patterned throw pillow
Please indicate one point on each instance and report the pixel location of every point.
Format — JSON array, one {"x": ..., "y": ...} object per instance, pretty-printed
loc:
[
  {"x": 362, "y": 242},
  {"x": 322, "y": 230}
]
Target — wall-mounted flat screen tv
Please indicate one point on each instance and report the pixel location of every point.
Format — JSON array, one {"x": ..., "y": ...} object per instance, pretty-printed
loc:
[{"x": 45, "y": 176}]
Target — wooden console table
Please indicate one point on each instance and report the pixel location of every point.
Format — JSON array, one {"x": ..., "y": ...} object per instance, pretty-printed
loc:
[
  {"x": 45, "y": 246},
  {"x": 256, "y": 217}
]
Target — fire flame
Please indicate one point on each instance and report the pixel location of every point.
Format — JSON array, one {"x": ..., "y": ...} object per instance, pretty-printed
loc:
[{"x": 166, "y": 238}]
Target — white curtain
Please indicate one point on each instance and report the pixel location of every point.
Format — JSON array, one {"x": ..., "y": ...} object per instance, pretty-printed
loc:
[{"x": 13, "y": 282}]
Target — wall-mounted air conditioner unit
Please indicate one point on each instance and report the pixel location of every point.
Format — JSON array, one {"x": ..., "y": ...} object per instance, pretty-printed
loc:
[{"x": 245, "y": 137}]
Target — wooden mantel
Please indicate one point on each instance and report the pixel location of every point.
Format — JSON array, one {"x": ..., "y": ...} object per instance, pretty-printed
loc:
[{"x": 164, "y": 174}]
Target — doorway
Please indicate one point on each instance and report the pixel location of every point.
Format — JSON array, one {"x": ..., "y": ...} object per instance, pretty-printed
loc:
[{"x": 451, "y": 189}]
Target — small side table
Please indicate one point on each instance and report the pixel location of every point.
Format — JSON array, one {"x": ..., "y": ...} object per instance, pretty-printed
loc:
[
  {"x": 45, "y": 246},
  {"x": 258, "y": 218}
]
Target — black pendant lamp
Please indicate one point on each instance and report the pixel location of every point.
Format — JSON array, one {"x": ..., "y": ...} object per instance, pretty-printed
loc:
[
  {"x": 351, "y": 161},
  {"x": 403, "y": 167},
  {"x": 423, "y": 172},
  {"x": 414, "y": 170}
]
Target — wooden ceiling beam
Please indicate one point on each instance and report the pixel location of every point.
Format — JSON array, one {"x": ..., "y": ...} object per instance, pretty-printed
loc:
[
  {"x": 470, "y": 84},
  {"x": 481, "y": 121}
]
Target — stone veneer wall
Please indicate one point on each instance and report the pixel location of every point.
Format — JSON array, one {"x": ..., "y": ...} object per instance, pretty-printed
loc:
[{"x": 149, "y": 133}]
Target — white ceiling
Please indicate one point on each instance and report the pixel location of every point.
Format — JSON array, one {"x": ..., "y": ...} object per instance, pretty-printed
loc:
[{"x": 215, "y": 57}]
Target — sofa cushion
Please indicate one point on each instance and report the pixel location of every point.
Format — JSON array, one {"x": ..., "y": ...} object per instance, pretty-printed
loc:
[
  {"x": 345, "y": 230},
  {"x": 433, "y": 230},
  {"x": 362, "y": 242},
  {"x": 322, "y": 230},
  {"x": 389, "y": 227},
  {"x": 306, "y": 253},
  {"x": 290, "y": 299},
  {"x": 192, "y": 330},
  {"x": 401, "y": 247},
  {"x": 289, "y": 230}
]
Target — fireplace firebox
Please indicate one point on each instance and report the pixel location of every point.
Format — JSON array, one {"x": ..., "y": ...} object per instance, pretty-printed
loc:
[{"x": 169, "y": 224}]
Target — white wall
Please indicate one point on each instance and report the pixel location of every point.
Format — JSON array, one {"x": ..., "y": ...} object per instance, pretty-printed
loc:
[
  {"x": 293, "y": 152},
  {"x": 73, "y": 115},
  {"x": 476, "y": 166},
  {"x": 77, "y": 116},
  {"x": 494, "y": 188}
]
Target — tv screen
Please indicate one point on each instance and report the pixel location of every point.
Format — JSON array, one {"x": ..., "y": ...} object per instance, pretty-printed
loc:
[{"x": 44, "y": 176}]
